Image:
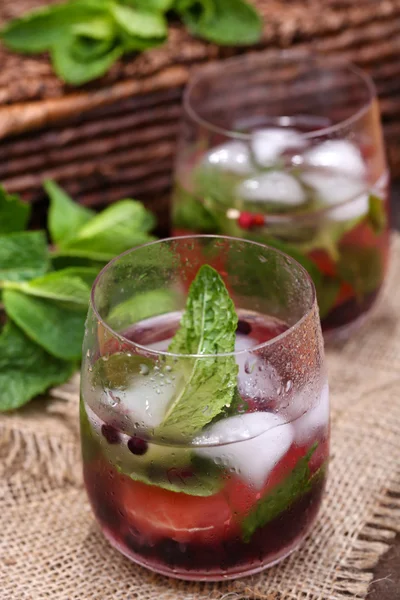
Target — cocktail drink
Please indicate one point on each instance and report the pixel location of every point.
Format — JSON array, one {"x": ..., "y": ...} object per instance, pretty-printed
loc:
[
  {"x": 205, "y": 406},
  {"x": 289, "y": 152}
]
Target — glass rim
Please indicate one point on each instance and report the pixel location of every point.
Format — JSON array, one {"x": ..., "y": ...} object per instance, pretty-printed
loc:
[
  {"x": 164, "y": 353},
  {"x": 283, "y": 55}
]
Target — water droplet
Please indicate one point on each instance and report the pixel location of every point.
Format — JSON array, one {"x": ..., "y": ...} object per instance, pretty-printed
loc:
[
  {"x": 144, "y": 369},
  {"x": 168, "y": 368},
  {"x": 156, "y": 368},
  {"x": 88, "y": 354},
  {"x": 288, "y": 386},
  {"x": 105, "y": 358},
  {"x": 262, "y": 259},
  {"x": 158, "y": 391}
]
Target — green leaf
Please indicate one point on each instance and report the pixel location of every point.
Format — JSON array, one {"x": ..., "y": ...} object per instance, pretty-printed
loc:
[
  {"x": 62, "y": 286},
  {"x": 52, "y": 325},
  {"x": 377, "y": 214},
  {"x": 75, "y": 69},
  {"x": 66, "y": 217},
  {"x": 190, "y": 212},
  {"x": 137, "y": 23},
  {"x": 152, "y": 5},
  {"x": 234, "y": 23},
  {"x": 362, "y": 268},
  {"x": 116, "y": 229},
  {"x": 14, "y": 214},
  {"x": 39, "y": 30},
  {"x": 208, "y": 326},
  {"x": 141, "y": 306},
  {"x": 23, "y": 256},
  {"x": 279, "y": 499},
  {"x": 25, "y": 369}
]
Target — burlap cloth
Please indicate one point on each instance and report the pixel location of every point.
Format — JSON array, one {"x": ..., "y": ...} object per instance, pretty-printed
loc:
[{"x": 50, "y": 547}]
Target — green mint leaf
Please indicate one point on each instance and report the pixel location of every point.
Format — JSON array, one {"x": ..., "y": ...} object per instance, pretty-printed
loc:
[
  {"x": 140, "y": 24},
  {"x": 140, "y": 307},
  {"x": 362, "y": 268},
  {"x": 54, "y": 326},
  {"x": 279, "y": 499},
  {"x": 208, "y": 326},
  {"x": 14, "y": 214},
  {"x": 117, "y": 228},
  {"x": 151, "y": 5},
  {"x": 39, "y": 30},
  {"x": 60, "y": 285},
  {"x": 377, "y": 214},
  {"x": 196, "y": 9},
  {"x": 196, "y": 479},
  {"x": 26, "y": 370},
  {"x": 234, "y": 23},
  {"x": 23, "y": 256},
  {"x": 66, "y": 217},
  {"x": 189, "y": 212},
  {"x": 76, "y": 66}
]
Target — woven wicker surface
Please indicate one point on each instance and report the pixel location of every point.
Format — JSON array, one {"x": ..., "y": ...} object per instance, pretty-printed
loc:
[{"x": 116, "y": 136}]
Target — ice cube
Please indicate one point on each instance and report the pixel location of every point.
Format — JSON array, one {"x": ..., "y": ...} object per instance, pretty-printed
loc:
[
  {"x": 335, "y": 188},
  {"x": 268, "y": 144},
  {"x": 146, "y": 399},
  {"x": 250, "y": 444},
  {"x": 275, "y": 186},
  {"x": 315, "y": 418},
  {"x": 232, "y": 156},
  {"x": 340, "y": 155}
]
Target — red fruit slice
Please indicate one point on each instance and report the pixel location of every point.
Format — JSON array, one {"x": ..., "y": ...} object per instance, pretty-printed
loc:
[{"x": 157, "y": 513}]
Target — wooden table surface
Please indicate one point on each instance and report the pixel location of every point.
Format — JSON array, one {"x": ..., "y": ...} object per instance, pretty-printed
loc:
[{"x": 386, "y": 584}]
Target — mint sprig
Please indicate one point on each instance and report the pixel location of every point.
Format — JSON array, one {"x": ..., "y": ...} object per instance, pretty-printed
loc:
[
  {"x": 85, "y": 37},
  {"x": 208, "y": 327},
  {"x": 45, "y": 290},
  {"x": 296, "y": 485}
]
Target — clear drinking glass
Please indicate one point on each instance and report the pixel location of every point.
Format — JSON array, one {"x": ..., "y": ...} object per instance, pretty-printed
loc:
[
  {"x": 242, "y": 492},
  {"x": 288, "y": 151}
]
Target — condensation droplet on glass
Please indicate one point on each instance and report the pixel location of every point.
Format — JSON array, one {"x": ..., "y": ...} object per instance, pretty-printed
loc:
[
  {"x": 279, "y": 391},
  {"x": 168, "y": 381},
  {"x": 168, "y": 368},
  {"x": 158, "y": 391},
  {"x": 105, "y": 358},
  {"x": 90, "y": 368},
  {"x": 156, "y": 368},
  {"x": 262, "y": 258},
  {"x": 288, "y": 386},
  {"x": 144, "y": 369},
  {"x": 88, "y": 354}
]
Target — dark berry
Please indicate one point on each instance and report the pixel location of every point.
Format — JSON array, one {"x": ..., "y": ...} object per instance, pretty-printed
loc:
[
  {"x": 111, "y": 434},
  {"x": 244, "y": 327},
  {"x": 137, "y": 446}
]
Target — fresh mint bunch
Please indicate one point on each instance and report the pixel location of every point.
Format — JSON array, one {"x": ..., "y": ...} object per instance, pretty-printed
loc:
[
  {"x": 85, "y": 37},
  {"x": 45, "y": 290}
]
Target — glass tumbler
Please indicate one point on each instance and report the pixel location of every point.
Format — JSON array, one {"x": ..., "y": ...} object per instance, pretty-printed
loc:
[
  {"x": 231, "y": 488},
  {"x": 287, "y": 150}
]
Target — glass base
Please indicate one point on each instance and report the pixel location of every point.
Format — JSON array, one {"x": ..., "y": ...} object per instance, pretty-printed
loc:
[{"x": 209, "y": 575}]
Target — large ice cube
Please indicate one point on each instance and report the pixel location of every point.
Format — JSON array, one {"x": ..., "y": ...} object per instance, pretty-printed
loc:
[
  {"x": 340, "y": 155},
  {"x": 335, "y": 188},
  {"x": 268, "y": 144},
  {"x": 146, "y": 399},
  {"x": 275, "y": 186},
  {"x": 250, "y": 444},
  {"x": 314, "y": 419},
  {"x": 232, "y": 156}
]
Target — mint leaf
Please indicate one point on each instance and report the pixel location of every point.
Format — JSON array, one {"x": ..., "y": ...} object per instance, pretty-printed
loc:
[
  {"x": 25, "y": 369},
  {"x": 76, "y": 66},
  {"x": 279, "y": 499},
  {"x": 39, "y": 30},
  {"x": 377, "y": 214},
  {"x": 152, "y": 5},
  {"x": 208, "y": 326},
  {"x": 190, "y": 212},
  {"x": 137, "y": 23},
  {"x": 54, "y": 326},
  {"x": 140, "y": 307},
  {"x": 196, "y": 479},
  {"x": 62, "y": 286},
  {"x": 23, "y": 256},
  {"x": 14, "y": 214},
  {"x": 233, "y": 23},
  {"x": 66, "y": 217},
  {"x": 116, "y": 229}
]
